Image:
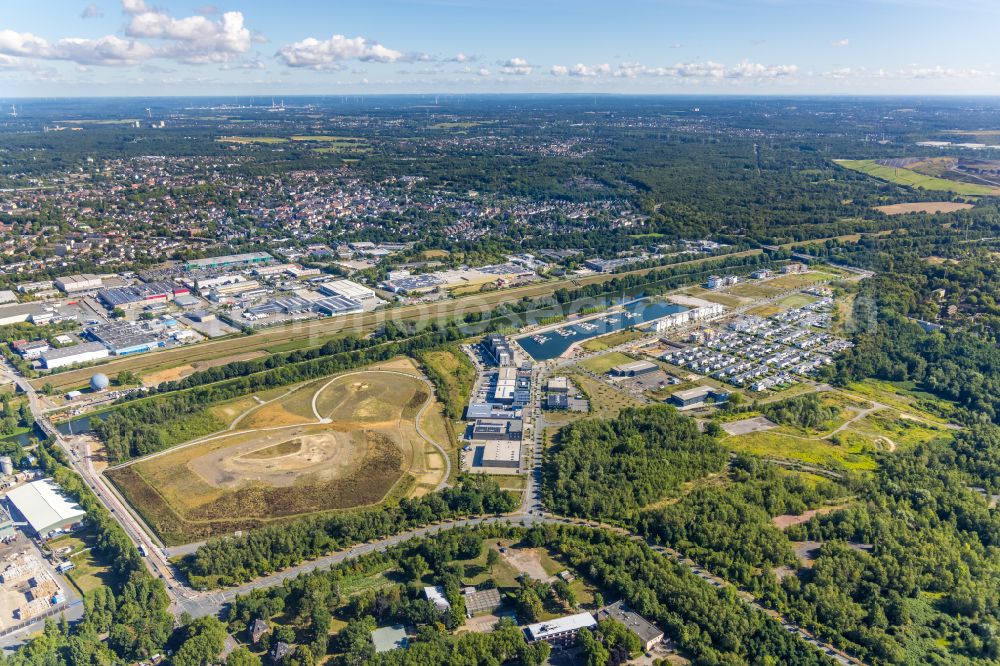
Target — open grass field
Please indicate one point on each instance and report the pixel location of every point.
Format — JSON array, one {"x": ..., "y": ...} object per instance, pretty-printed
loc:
[
  {"x": 754, "y": 290},
  {"x": 90, "y": 572},
  {"x": 611, "y": 340},
  {"x": 603, "y": 363},
  {"x": 916, "y": 180},
  {"x": 605, "y": 402},
  {"x": 797, "y": 280},
  {"x": 181, "y": 371},
  {"x": 281, "y": 461},
  {"x": 252, "y": 139},
  {"x": 905, "y": 397},
  {"x": 923, "y": 207},
  {"x": 854, "y": 455},
  {"x": 712, "y": 296},
  {"x": 854, "y": 436},
  {"x": 796, "y": 301}
]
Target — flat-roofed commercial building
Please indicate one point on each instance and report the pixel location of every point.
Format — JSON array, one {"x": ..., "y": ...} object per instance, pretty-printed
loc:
[
  {"x": 498, "y": 349},
  {"x": 337, "y": 305},
  {"x": 74, "y": 284},
  {"x": 634, "y": 369},
  {"x": 20, "y": 313},
  {"x": 560, "y": 631},
  {"x": 82, "y": 353},
  {"x": 558, "y": 385},
  {"x": 347, "y": 289},
  {"x": 45, "y": 508},
  {"x": 497, "y": 429},
  {"x": 497, "y": 455},
  {"x": 229, "y": 260},
  {"x": 506, "y": 384},
  {"x": 697, "y": 397}
]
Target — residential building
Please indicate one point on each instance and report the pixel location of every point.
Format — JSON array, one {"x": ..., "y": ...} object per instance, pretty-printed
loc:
[
  {"x": 648, "y": 633},
  {"x": 560, "y": 632},
  {"x": 498, "y": 350}
]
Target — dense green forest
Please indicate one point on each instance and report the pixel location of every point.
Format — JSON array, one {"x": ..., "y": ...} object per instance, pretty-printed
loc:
[
  {"x": 610, "y": 469},
  {"x": 713, "y": 627}
]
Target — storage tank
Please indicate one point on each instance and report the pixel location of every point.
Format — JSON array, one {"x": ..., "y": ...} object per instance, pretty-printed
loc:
[
  {"x": 99, "y": 382},
  {"x": 6, "y": 465}
]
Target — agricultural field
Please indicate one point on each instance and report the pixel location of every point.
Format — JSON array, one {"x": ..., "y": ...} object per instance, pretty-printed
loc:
[
  {"x": 338, "y": 443},
  {"x": 909, "y": 178},
  {"x": 923, "y": 207},
  {"x": 252, "y": 139}
]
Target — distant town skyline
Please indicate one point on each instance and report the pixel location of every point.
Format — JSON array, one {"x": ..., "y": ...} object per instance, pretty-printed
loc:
[{"x": 746, "y": 47}]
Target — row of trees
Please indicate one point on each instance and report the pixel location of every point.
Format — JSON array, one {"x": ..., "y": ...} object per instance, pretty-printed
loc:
[{"x": 262, "y": 551}]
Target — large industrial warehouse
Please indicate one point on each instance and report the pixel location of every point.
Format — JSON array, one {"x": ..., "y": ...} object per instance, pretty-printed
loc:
[{"x": 45, "y": 508}]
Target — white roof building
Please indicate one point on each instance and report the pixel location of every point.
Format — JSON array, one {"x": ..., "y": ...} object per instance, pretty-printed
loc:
[
  {"x": 46, "y": 508},
  {"x": 347, "y": 289},
  {"x": 560, "y": 628},
  {"x": 435, "y": 594}
]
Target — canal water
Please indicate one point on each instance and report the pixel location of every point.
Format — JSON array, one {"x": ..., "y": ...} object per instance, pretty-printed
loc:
[{"x": 552, "y": 343}]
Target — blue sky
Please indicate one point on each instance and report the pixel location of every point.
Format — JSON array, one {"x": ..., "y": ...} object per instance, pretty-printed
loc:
[{"x": 182, "y": 47}]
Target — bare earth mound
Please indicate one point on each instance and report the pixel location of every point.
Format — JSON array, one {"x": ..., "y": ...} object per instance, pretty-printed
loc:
[{"x": 268, "y": 469}]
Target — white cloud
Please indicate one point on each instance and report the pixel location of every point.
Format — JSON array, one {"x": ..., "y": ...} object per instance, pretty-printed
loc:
[
  {"x": 940, "y": 72},
  {"x": 10, "y": 62},
  {"x": 110, "y": 50},
  {"x": 330, "y": 53},
  {"x": 581, "y": 70},
  {"x": 194, "y": 39},
  {"x": 748, "y": 70},
  {"x": 462, "y": 57},
  {"x": 484, "y": 72},
  {"x": 708, "y": 70},
  {"x": 516, "y": 67},
  {"x": 840, "y": 43},
  {"x": 91, "y": 11}
]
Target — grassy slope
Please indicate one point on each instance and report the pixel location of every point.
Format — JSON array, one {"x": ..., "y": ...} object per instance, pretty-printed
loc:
[{"x": 914, "y": 179}]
